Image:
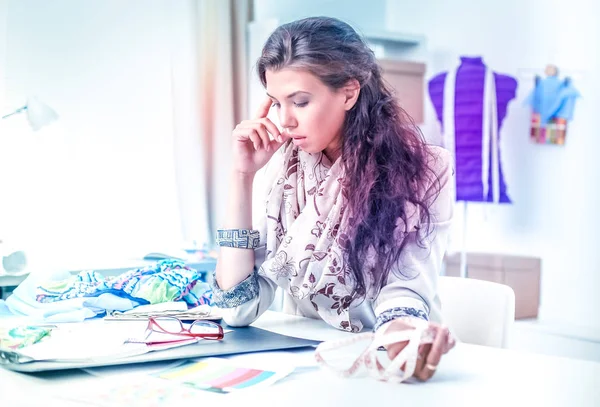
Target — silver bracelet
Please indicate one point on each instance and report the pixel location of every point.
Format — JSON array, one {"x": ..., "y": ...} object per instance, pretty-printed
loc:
[{"x": 239, "y": 238}]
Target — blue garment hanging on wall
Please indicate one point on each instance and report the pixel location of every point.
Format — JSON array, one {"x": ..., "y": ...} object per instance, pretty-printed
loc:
[{"x": 553, "y": 98}]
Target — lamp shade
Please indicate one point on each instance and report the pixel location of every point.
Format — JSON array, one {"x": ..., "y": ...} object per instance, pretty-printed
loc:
[{"x": 39, "y": 114}]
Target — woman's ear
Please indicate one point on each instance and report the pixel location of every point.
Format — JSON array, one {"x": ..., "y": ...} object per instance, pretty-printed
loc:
[{"x": 351, "y": 90}]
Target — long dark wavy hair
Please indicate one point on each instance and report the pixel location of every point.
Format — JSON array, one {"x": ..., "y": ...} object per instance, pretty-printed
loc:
[{"x": 384, "y": 154}]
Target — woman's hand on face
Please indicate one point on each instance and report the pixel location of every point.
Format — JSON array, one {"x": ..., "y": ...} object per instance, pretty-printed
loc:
[
  {"x": 252, "y": 144},
  {"x": 429, "y": 354}
]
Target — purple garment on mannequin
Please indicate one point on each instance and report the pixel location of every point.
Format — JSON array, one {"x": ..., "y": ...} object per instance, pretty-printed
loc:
[{"x": 468, "y": 114}]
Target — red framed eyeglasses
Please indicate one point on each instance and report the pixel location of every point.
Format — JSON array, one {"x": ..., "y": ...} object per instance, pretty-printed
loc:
[{"x": 174, "y": 326}]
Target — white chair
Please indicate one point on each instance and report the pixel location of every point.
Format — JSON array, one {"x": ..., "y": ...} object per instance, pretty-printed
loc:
[{"x": 478, "y": 312}]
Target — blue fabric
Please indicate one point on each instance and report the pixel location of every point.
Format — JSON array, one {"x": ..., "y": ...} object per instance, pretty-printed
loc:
[
  {"x": 66, "y": 298},
  {"x": 23, "y": 302},
  {"x": 553, "y": 98},
  {"x": 167, "y": 280}
]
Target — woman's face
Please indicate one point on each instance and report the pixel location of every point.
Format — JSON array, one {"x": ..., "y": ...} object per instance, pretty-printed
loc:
[{"x": 308, "y": 110}]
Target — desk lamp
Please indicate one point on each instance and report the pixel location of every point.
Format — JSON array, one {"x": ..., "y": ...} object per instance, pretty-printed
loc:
[{"x": 38, "y": 113}]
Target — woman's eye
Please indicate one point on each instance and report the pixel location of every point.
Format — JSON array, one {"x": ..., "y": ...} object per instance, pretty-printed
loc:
[
  {"x": 301, "y": 104},
  {"x": 275, "y": 104}
]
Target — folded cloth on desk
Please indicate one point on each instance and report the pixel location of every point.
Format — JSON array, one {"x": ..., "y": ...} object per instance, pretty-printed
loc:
[
  {"x": 167, "y": 280},
  {"x": 67, "y": 298},
  {"x": 22, "y": 302}
]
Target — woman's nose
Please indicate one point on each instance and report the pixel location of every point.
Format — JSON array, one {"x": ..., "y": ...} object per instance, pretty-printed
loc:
[{"x": 287, "y": 119}]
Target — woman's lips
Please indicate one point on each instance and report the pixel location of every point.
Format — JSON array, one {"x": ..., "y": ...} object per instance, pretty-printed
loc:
[
  {"x": 298, "y": 140},
  {"x": 291, "y": 135}
]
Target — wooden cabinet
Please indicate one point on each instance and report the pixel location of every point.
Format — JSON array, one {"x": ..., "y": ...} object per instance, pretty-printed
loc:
[{"x": 407, "y": 80}]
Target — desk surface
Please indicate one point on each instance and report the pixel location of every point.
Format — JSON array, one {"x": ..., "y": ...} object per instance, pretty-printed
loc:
[{"x": 469, "y": 375}]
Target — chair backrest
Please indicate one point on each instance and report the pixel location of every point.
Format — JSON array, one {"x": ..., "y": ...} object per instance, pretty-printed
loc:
[{"x": 478, "y": 312}]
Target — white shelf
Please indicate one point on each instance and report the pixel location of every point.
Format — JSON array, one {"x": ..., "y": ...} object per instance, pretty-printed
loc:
[{"x": 394, "y": 37}]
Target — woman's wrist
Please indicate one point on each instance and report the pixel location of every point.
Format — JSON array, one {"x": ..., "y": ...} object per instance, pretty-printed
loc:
[
  {"x": 240, "y": 201},
  {"x": 242, "y": 176}
]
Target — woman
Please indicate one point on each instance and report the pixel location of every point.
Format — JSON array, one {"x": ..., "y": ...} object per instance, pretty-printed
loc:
[{"x": 357, "y": 217}]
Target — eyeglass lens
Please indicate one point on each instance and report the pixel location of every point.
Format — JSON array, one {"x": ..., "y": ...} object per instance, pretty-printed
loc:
[
  {"x": 204, "y": 327},
  {"x": 169, "y": 325}
]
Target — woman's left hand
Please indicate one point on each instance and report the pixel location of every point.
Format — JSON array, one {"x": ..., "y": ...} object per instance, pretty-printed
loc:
[{"x": 430, "y": 353}]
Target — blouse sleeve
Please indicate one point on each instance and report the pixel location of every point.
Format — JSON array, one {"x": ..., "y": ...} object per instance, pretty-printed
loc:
[
  {"x": 242, "y": 304},
  {"x": 411, "y": 288}
]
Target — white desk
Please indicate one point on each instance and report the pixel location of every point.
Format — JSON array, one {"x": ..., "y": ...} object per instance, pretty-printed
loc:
[{"x": 468, "y": 376}]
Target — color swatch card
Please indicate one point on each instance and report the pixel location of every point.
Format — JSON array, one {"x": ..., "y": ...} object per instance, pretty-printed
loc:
[{"x": 221, "y": 375}]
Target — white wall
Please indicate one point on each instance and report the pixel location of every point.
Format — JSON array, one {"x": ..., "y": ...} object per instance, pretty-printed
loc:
[
  {"x": 555, "y": 190},
  {"x": 100, "y": 181},
  {"x": 3, "y": 25},
  {"x": 358, "y": 13}
]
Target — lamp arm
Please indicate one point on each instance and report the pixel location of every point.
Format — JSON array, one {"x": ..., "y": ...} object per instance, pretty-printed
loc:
[{"x": 19, "y": 110}]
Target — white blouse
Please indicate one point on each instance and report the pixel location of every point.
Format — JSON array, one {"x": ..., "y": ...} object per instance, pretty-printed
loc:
[{"x": 400, "y": 297}]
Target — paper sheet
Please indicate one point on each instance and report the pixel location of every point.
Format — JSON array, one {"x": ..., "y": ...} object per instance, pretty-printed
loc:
[
  {"x": 143, "y": 391},
  {"x": 221, "y": 375},
  {"x": 173, "y": 309},
  {"x": 189, "y": 382},
  {"x": 170, "y": 383},
  {"x": 101, "y": 340}
]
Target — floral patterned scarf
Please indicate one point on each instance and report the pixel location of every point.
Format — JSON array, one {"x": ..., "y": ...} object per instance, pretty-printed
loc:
[{"x": 305, "y": 214}]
